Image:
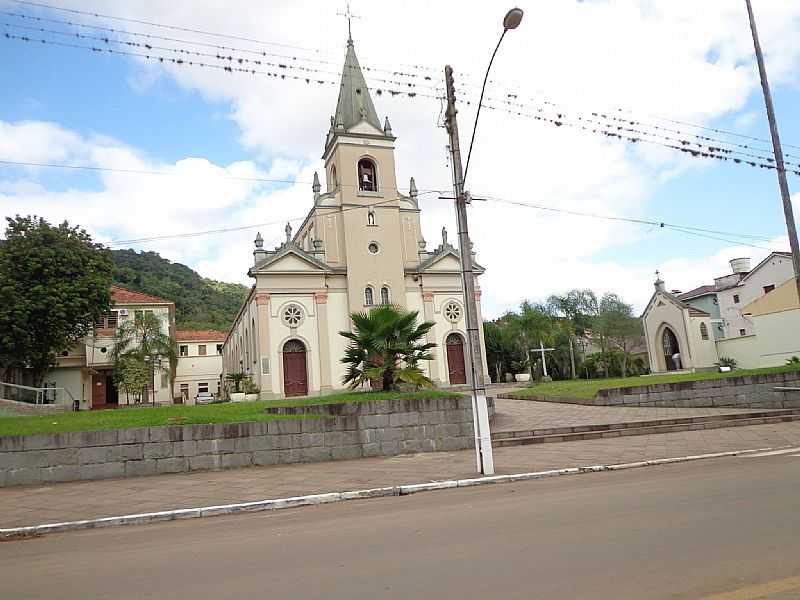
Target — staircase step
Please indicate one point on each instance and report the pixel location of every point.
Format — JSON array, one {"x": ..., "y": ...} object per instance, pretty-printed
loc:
[{"x": 502, "y": 439}]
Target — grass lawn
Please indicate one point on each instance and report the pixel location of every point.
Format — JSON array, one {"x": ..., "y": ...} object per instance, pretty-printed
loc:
[
  {"x": 583, "y": 388},
  {"x": 226, "y": 412}
]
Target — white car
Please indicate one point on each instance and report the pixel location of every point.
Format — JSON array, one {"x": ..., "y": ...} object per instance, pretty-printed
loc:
[{"x": 204, "y": 398}]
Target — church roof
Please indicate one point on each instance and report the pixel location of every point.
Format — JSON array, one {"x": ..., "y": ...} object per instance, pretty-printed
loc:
[
  {"x": 354, "y": 103},
  {"x": 286, "y": 249},
  {"x": 699, "y": 291}
]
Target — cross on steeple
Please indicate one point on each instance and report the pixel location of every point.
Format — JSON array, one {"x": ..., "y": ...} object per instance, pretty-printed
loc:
[{"x": 348, "y": 15}]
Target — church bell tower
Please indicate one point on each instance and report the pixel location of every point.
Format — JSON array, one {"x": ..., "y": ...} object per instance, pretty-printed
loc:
[{"x": 360, "y": 173}]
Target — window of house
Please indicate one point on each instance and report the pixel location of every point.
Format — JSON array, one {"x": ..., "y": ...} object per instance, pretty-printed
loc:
[
  {"x": 202, "y": 387},
  {"x": 201, "y": 350},
  {"x": 742, "y": 332},
  {"x": 385, "y": 297},
  {"x": 369, "y": 297},
  {"x": 108, "y": 320},
  {"x": 219, "y": 348},
  {"x": 703, "y": 331},
  {"x": 768, "y": 288},
  {"x": 736, "y": 298},
  {"x": 183, "y": 350},
  {"x": 367, "y": 176}
]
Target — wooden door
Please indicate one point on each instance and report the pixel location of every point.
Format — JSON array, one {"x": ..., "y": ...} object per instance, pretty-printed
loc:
[
  {"x": 99, "y": 391},
  {"x": 455, "y": 359},
  {"x": 295, "y": 371}
]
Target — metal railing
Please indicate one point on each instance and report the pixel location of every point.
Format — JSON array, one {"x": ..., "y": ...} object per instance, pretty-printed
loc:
[{"x": 33, "y": 395}]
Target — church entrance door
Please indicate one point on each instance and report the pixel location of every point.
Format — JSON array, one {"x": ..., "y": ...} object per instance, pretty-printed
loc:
[
  {"x": 295, "y": 371},
  {"x": 455, "y": 359},
  {"x": 670, "y": 344}
]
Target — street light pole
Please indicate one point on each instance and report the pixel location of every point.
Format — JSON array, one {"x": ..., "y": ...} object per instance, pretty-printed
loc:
[
  {"x": 776, "y": 146},
  {"x": 480, "y": 413}
]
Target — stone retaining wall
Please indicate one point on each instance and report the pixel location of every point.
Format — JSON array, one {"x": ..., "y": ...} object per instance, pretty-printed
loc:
[
  {"x": 750, "y": 391},
  {"x": 377, "y": 428}
]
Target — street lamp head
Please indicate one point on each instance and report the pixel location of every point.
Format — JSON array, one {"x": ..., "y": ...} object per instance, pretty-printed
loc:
[{"x": 512, "y": 19}]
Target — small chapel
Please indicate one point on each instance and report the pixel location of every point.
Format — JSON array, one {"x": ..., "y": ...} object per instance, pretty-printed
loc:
[{"x": 359, "y": 246}]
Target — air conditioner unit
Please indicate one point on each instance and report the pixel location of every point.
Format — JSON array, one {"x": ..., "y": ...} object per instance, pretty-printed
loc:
[{"x": 123, "y": 312}]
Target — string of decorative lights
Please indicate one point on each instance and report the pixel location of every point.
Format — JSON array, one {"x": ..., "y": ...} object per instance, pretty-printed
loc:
[
  {"x": 229, "y": 59},
  {"x": 189, "y": 30},
  {"x": 538, "y": 102},
  {"x": 218, "y": 47},
  {"x": 316, "y": 51}
]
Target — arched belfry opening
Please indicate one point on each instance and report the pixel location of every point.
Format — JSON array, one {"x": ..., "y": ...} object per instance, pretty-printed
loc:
[{"x": 367, "y": 175}]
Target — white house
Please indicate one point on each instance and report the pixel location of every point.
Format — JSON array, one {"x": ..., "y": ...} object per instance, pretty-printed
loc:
[
  {"x": 199, "y": 363},
  {"x": 715, "y": 321}
]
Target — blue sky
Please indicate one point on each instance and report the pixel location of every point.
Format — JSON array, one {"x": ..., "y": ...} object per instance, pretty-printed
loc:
[{"x": 114, "y": 111}]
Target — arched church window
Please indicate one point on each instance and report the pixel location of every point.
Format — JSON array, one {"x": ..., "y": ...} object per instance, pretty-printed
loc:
[
  {"x": 385, "y": 297},
  {"x": 334, "y": 181},
  {"x": 367, "y": 176},
  {"x": 703, "y": 331},
  {"x": 369, "y": 298},
  {"x": 371, "y": 217}
]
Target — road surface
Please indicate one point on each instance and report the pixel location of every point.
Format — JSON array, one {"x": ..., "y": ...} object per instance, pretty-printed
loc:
[{"x": 726, "y": 529}]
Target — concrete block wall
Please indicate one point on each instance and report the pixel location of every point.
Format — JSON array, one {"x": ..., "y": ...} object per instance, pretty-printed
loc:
[
  {"x": 750, "y": 391},
  {"x": 316, "y": 433}
]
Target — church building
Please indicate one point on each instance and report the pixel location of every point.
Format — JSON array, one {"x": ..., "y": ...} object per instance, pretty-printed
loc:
[{"x": 360, "y": 245}]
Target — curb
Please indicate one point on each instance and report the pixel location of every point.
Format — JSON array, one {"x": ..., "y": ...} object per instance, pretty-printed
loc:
[{"x": 328, "y": 498}]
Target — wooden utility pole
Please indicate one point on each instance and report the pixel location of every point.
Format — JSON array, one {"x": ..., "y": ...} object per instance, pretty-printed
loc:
[
  {"x": 776, "y": 146},
  {"x": 480, "y": 414}
]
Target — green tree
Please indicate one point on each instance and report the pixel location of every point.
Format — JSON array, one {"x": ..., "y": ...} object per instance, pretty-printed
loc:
[
  {"x": 532, "y": 325},
  {"x": 617, "y": 327},
  {"x": 501, "y": 349},
  {"x": 141, "y": 340},
  {"x": 132, "y": 376},
  {"x": 55, "y": 283},
  {"x": 387, "y": 344},
  {"x": 576, "y": 309}
]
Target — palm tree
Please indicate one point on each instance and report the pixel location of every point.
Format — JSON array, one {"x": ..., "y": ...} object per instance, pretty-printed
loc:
[
  {"x": 142, "y": 339},
  {"x": 532, "y": 325},
  {"x": 387, "y": 344}
]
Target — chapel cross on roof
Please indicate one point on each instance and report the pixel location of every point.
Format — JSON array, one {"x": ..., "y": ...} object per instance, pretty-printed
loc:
[{"x": 348, "y": 15}]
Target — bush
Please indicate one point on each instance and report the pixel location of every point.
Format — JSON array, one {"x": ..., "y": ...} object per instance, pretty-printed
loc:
[
  {"x": 727, "y": 361},
  {"x": 793, "y": 362}
]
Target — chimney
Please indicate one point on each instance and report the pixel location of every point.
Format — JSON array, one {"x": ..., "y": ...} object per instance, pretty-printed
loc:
[{"x": 740, "y": 266}]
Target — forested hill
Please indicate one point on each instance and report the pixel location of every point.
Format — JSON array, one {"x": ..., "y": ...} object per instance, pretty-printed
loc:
[{"x": 200, "y": 303}]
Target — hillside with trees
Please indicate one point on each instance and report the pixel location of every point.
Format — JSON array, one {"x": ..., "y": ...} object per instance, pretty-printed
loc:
[{"x": 200, "y": 303}]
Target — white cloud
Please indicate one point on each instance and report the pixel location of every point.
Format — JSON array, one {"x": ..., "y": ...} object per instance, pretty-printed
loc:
[{"x": 663, "y": 58}]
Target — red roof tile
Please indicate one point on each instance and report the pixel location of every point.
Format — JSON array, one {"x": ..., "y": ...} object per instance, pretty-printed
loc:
[
  {"x": 205, "y": 335},
  {"x": 122, "y": 296}
]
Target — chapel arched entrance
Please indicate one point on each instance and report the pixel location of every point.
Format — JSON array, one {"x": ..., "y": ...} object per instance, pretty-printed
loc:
[
  {"x": 669, "y": 344},
  {"x": 295, "y": 369},
  {"x": 455, "y": 359}
]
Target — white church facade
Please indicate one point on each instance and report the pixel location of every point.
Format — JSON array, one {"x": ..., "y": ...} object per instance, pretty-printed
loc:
[
  {"x": 360, "y": 245},
  {"x": 735, "y": 317}
]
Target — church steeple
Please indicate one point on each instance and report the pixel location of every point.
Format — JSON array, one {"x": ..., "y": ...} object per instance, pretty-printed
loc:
[{"x": 355, "y": 104}]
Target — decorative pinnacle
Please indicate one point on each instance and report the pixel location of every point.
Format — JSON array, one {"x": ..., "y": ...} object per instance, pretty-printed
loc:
[
  {"x": 412, "y": 188},
  {"x": 259, "y": 241},
  {"x": 316, "y": 187},
  {"x": 387, "y": 127}
]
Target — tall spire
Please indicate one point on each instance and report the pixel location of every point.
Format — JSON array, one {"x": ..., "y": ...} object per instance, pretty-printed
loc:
[{"x": 354, "y": 104}]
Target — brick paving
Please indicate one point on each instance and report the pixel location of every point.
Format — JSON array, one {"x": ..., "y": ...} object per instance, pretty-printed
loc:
[
  {"x": 514, "y": 415},
  {"x": 33, "y": 505}
]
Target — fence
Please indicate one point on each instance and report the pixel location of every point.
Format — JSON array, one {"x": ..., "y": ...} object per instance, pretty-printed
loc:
[{"x": 33, "y": 395}]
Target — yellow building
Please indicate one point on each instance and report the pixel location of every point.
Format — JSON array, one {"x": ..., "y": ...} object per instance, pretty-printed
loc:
[{"x": 360, "y": 245}]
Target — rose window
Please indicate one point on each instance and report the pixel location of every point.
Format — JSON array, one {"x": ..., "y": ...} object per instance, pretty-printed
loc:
[
  {"x": 452, "y": 312},
  {"x": 292, "y": 315}
]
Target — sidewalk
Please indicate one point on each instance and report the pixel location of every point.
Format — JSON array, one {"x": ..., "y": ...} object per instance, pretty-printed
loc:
[{"x": 34, "y": 505}]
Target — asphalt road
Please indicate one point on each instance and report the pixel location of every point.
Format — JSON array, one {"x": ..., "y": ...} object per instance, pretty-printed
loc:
[{"x": 723, "y": 529}]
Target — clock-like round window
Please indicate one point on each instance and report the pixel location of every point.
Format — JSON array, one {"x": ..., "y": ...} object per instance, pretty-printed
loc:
[
  {"x": 452, "y": 312},
  {"x": 373, "y": 248},
  {"x": 292, "y": 315}
]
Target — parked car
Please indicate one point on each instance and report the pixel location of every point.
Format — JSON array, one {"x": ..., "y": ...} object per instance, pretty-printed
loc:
[{"x": 204, "y": 398}]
